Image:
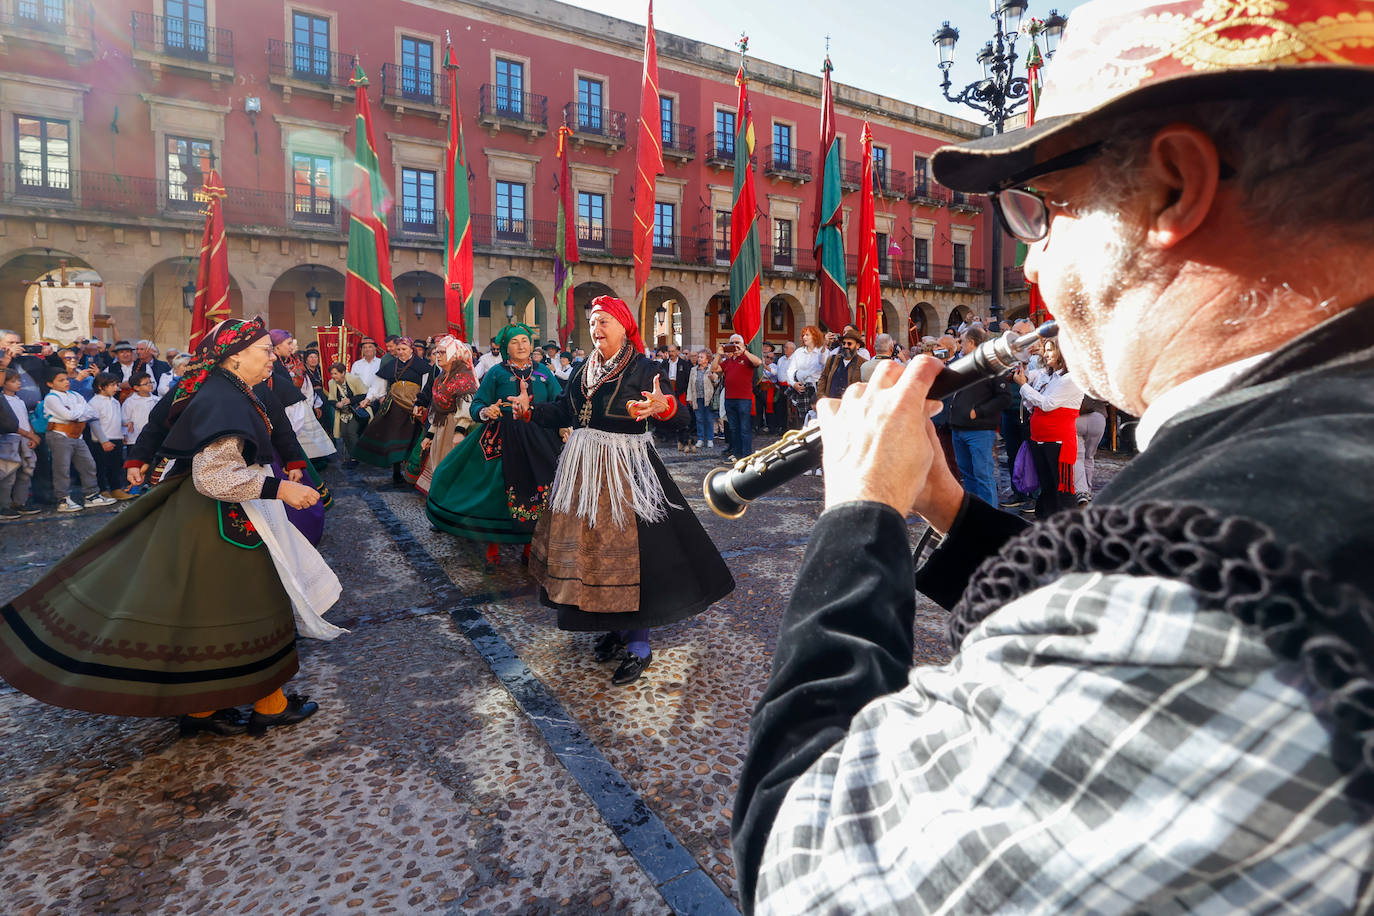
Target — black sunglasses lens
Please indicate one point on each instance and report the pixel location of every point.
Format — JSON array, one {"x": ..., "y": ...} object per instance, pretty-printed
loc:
[{"x": 1023, "y": 214}]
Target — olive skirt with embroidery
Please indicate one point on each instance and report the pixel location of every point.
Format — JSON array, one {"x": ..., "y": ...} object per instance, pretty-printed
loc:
[
  {"x": 388, "y": 438},
  {"x": 156, "y": 614}
]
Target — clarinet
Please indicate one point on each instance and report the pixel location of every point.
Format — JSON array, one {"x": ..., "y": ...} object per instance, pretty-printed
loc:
[{"x": 729, "y": 491}]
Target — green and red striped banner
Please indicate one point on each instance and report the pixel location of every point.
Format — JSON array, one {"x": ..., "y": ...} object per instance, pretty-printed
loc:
[
  {"x": 745, "y": 257},
  {"x": 460, "y": 299},
  {"x": 369, "y": 298},
  {"x": 833, "y": 304}
]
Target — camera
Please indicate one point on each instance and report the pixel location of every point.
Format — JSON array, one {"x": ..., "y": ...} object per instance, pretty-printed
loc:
[
  {"x": 32, "y": 349},
  {"x": 941, "y": 353}
]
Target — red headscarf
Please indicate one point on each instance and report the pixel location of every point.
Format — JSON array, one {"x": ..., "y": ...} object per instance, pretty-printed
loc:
[{"x": 618, "y": 310}]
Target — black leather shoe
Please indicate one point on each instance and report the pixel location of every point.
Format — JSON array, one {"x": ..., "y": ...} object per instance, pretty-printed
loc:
[
  {"x": 298, "y": 709},
  {"x": 223, "y": 722},
  {"x": 630, "y": 669},
  {"x": 609, "y": 647}
]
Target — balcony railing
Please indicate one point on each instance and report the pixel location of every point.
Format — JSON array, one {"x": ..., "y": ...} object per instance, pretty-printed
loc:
[
  {"x": 422, "y": 220},
  {"x": 525, "y": 108},
  {"x": 183, "y": 39},
  {"x": 970, "y": 203},
  {"x": 1014, "y": 278},
  {"x": 720, "y": 149},
  {"x": 925, "y": 191},
  {"x": 595, "y": 122},
  {"x": 787, "y": 162},
  {"x": 309, "y": 64},
  {"x": 889, "y": 182},
  {"x": 679, "y": 138},
  {"x": 851, "y": 174},
  {"x": 413, "y": 84}
]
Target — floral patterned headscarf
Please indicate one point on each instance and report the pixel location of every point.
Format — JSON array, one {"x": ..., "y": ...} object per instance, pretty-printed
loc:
[{"x": 233, "y": 335}]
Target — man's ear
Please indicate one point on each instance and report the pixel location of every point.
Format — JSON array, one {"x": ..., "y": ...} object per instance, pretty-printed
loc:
[{"x": 1184, "y": 166}]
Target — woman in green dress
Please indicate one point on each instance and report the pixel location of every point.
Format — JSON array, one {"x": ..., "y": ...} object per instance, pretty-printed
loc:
[
  {"x": 493, "y": 486},
  {"x": 182, "y": 604}
]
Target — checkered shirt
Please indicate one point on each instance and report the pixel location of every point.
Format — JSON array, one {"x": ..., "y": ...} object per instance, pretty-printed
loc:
[{"x": 1100, "y": 745}]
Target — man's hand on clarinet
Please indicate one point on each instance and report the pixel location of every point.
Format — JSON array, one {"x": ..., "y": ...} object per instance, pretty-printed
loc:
[{"x": 880, "y": 445}]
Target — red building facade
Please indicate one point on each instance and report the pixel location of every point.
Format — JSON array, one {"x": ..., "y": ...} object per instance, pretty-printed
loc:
[{"x": 109, "y": 114}]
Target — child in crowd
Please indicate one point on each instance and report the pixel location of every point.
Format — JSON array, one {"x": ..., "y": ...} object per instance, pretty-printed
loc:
[
  {"x": 138, "y": 405},
  {"x": 109, "y": 435},
  {"x": 17, "y": 458},
  {"x": 68, "y": 413}
]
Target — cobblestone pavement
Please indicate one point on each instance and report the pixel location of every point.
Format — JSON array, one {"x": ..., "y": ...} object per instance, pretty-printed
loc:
[{"x": 468, "y": 756}]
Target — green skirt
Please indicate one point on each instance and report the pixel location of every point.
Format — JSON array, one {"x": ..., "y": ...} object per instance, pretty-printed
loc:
[{"x": 156, "y": 614}]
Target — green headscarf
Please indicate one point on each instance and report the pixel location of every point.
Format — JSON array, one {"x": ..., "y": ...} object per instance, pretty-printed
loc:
[{"x": 504, "y": 336}]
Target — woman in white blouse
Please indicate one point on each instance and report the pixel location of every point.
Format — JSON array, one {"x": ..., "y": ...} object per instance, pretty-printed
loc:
[
  {"x": 1055, "y": 397},
  {"x": 804, "y": 370}
]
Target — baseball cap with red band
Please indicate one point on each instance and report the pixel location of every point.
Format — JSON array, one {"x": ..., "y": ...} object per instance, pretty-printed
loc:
[{"x": 1124, "y": 56}]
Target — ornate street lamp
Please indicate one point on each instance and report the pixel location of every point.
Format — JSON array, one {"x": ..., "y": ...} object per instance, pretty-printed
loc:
[
  {"x": 418, "y": 300},
  {"x": 188, "y": 295},
  {"x": 510, "y": 303},
  {"x": 1000, "y": 93},
  {"x": 312, "y": 295}
]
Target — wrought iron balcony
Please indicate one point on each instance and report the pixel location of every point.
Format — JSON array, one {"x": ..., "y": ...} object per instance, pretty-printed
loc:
[
  {"x": 851, "y": 174},
  {"x": 413, "y": 88},
  {"x": 500, "y": 107},
  {"x": 34, "y": 188},
  {"x": 926, "y": 193},
  {"x": 306, "y": 68},
  {"x": 889, "y": 182},
  {"x": 720, "y": 149},
  {"x": 175, "y": 43},
  {"x": 598, "y": 126},
  {"x": 62, "y": 24},
  {"x": 679, "y": 141},
  {"x": 1014, "y": 278},
  {"x": 787, "y": 162},
  {"x": 965, "y": 203}
]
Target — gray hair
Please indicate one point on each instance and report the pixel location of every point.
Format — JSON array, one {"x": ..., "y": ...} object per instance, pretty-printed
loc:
[
  {"x": 882, "y": 343},
  {"x": 6, "y": 332},
  {"x": 145, "y": 343},
  {"x": 1280, "y": 150},
  {"x": 180, "y": 361}
]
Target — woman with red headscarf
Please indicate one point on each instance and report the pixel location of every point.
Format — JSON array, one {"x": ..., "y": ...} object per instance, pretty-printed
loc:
[{"x": 617, "y": 549}]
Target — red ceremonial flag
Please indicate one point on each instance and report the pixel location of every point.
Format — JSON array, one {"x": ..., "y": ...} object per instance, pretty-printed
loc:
[
  {"x": 565, "y": 245},
  {"x": 648, "y": 162},
  {"x": 828, "y": 221},
  {"x": 460, "y": 299},
  {"x": 870, "y": 288},
  {"x": 369, "y": 297},
  {"x": 745, "y": 257},
  {"x": 212, "y": 274}
]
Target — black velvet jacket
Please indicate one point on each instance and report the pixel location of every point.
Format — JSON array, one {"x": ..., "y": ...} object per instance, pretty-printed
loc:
[
  {"x": 608, "y": 408},
  {"x": 150, "y": 442},
  {"x": 1288, "y": 445}
]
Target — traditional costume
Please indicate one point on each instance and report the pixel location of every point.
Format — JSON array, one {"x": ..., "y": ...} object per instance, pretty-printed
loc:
[
  {"x": 388, "y": 438},
  {"x": 447, "y": 398},
  {"x": 493, "y": 487},
  {"x": 292, "y": 385},
  {"x": 618, "y": 549},
  {"x": 184, "y": 601}
]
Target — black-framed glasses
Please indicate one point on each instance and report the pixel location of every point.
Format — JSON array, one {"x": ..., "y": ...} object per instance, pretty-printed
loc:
[{"x": 1023, "y": 211}]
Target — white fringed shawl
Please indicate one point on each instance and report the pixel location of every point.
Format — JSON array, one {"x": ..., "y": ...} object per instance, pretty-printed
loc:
[{"x": 595, "y": 460}]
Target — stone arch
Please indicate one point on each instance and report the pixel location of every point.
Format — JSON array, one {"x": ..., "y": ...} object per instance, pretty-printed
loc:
[
  {"x": 922, "y": 320},
  {"x": 958, "y": 315},
  {"x": 1017, "y": 312},
  {"x": 429, "y": 287},
  {"x": 288, "y": 305},
  {"x": 674, "y": 326},
  {"x": 888, "y": 321},
  {"x": 160, "y": 296},
  {"x": 23, "y": 265},
  {"x": 526, "y": 307},
  {"x": 782, "y": 319}
]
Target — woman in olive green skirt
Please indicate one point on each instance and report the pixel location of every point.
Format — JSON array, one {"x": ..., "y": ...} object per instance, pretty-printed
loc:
[{"x": 182, "y": 604}]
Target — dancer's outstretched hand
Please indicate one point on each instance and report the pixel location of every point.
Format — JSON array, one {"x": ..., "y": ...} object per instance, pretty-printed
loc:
[{"x": 655, "y": 402}]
